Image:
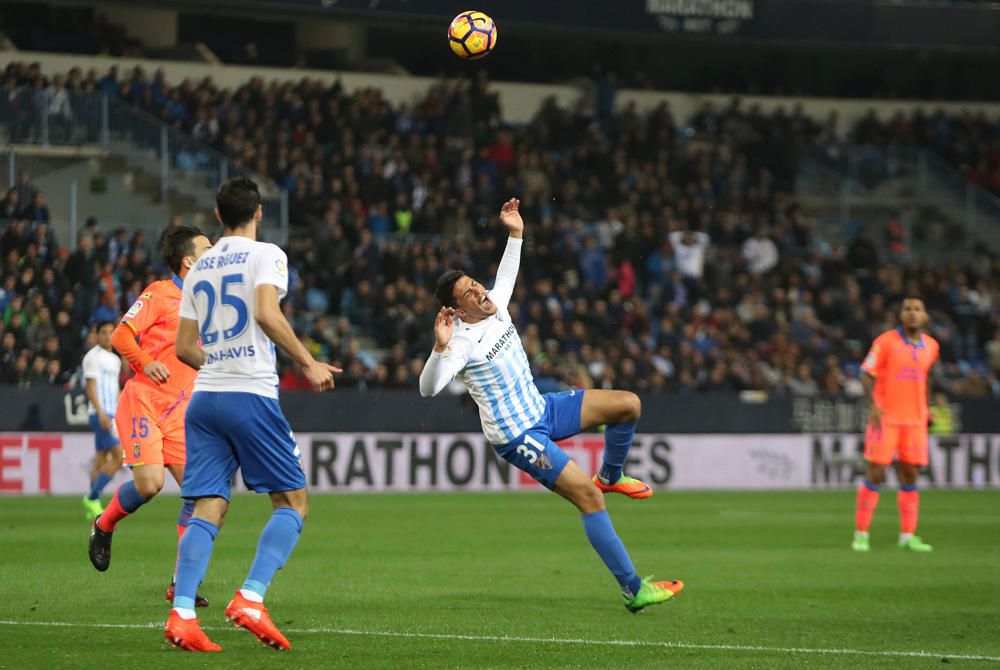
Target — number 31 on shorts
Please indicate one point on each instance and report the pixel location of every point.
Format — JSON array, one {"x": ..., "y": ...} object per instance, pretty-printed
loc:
[{"x": 526, "y": 451}]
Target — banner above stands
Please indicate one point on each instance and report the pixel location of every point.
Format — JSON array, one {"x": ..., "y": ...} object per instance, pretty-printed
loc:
[
  {"x": 846, "y": 22},
  {"x": 59, "y": 463}
]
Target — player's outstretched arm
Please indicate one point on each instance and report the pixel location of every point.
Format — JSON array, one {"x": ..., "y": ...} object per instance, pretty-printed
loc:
[
  {"x": 445, "y": 361},
  {"x": 276, "y": 327},
  {"x": 187, "y": 349},
  {"x": 503, "y": 287}
]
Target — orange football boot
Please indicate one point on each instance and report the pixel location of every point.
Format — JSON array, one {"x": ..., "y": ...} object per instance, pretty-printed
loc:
[
  {"x": 628, "y": 486},
  {"x": 254, "y": 617},
  {"x": 187, "y": 634}
]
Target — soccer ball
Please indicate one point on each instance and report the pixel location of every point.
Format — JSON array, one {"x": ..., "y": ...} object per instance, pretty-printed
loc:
[{"x": 472, "y": 35}]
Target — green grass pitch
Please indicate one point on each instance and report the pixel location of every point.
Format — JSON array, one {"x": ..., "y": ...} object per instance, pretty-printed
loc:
[{"x": 509, "y": 581}]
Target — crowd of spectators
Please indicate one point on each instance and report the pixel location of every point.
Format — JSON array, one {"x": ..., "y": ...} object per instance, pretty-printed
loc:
[{"x": 659, "y": 255}]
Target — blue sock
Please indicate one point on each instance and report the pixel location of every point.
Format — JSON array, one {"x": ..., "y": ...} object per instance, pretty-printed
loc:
[
  {"x": 276, "y": 543},
  {"x": 609, "y": 547},
  {"x": 192, "y": 560},
  {"x": 187, "y": 509},
  {"x": 617, "y": 442},
  {"x": 98, "y": 485},
  {"x": 129, "y": 498},
  {"x": 868, "y": 485}
]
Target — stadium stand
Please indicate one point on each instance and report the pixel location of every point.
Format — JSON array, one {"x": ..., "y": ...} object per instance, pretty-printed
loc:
[{"x": 742, "y": 290}]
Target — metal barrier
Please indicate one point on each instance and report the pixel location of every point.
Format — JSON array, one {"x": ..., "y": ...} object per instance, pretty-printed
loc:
[
  {"x": 863, "y": 175},
  {"x": 51, "y": 117}
]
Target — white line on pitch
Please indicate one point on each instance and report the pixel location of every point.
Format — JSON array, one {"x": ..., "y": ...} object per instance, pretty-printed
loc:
[{"x": 544, "y": 640}]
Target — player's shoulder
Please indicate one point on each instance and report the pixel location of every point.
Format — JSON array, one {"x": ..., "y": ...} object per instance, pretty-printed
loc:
[
  {"x": 154, "y": 289},
  {"x": 931, "y": 342},
  {"x": 269, "y": 249},
  {"x": 887, "y": 337}
]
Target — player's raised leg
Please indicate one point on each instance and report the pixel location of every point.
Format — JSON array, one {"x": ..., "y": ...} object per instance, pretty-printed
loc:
[
  {"x": 276, "y": 543},
  {"x": 106, "y": 464},
  {"x": 147, "y": 480},
  {"x": 576, "y": 487},
  {"x": 619, "y": 412}
]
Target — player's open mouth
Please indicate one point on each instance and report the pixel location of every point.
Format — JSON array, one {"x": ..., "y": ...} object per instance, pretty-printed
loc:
[{"x": 485, "y": 302}]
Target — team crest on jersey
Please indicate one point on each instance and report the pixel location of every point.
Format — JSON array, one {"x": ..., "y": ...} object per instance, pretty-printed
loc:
[
  {"x": 134, "y": 309},
  {"x": 543, "y": 463},
  {"x": 136, "y": 450}
]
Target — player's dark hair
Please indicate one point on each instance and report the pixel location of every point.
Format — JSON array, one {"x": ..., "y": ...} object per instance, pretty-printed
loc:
[
  {"x": 176, "y": 243},
  {"x": 101, "y": 324},
  {"x": 445, "y": 289},
  {"x": 237, "y": 200},
  {"x": 912, "y": 295}
]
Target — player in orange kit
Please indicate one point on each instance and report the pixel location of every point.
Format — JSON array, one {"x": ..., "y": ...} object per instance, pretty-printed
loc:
[
  {"x": 894, "y": 374},
  {"x": 150, "y": 415}
]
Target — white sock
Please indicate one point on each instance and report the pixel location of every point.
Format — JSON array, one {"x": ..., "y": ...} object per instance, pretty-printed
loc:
[
  {"x": 861, "y": 533},
  {"x": 252, "y": 596},
  {"x": 905, "y": 537},
  {"x": 185, "y": 613}
]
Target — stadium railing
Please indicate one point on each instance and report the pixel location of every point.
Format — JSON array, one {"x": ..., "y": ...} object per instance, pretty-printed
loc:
[
  {"x": 93, "y": 119},
  {"x": 895, "y": 178}
]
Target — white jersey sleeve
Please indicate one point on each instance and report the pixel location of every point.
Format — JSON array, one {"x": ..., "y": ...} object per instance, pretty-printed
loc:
[
  {"x": 91, "y": 365},
  {"x": 271, "y": 267},
  {"x": 503, "y": 287},
  {"x": 440, "y": 369}
]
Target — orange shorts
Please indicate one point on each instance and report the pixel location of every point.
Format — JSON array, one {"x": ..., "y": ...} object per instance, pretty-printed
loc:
[
  {"x": 883, "y": 444},
  {"x": 151, "y": 425}
]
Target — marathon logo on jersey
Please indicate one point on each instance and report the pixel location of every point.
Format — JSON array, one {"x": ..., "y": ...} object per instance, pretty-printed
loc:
[
  {"x": 231, "y": 352},
  {"x": 502, "y": 343},
  {"x": 222, "y": 261}
]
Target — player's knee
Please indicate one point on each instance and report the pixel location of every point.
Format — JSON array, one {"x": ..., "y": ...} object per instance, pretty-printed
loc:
[
  {"x": 302, "y": 508},
  {"x": 876, "y": 473},
  {"x": 908, "y": 473},
  {"x": 589, "y": 499},
  {"x": 633, "y": 407},
  {"x": 148, "y": 487}
]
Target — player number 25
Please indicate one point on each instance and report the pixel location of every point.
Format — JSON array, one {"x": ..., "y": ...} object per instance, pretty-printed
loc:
[
  {"x": 234, "y": 301},
  {"x": 525, "y": 451}
]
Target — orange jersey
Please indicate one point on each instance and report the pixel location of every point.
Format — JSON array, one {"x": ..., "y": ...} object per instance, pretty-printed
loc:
[
  {"x": 154, "y": 319},
  {"x": 900, "y": 369}
]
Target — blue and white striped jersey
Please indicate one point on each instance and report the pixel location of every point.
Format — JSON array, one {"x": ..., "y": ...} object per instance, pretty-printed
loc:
[
  {"x": 489, "y": 359},
  {"x": 105, "y": 368}
]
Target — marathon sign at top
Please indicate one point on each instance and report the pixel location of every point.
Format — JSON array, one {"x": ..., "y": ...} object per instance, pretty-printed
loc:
[
  {"x": 712, "y": 17},
  {"x": 849, "y": 22},
  {"x": 718, "y": 17}
]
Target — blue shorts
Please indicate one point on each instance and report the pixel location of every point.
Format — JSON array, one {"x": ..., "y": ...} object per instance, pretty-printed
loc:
[
  {"x": 535, "y": 451},
  {"x": 103, "y": 439},
  {"x": 226, "y": 431}
]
